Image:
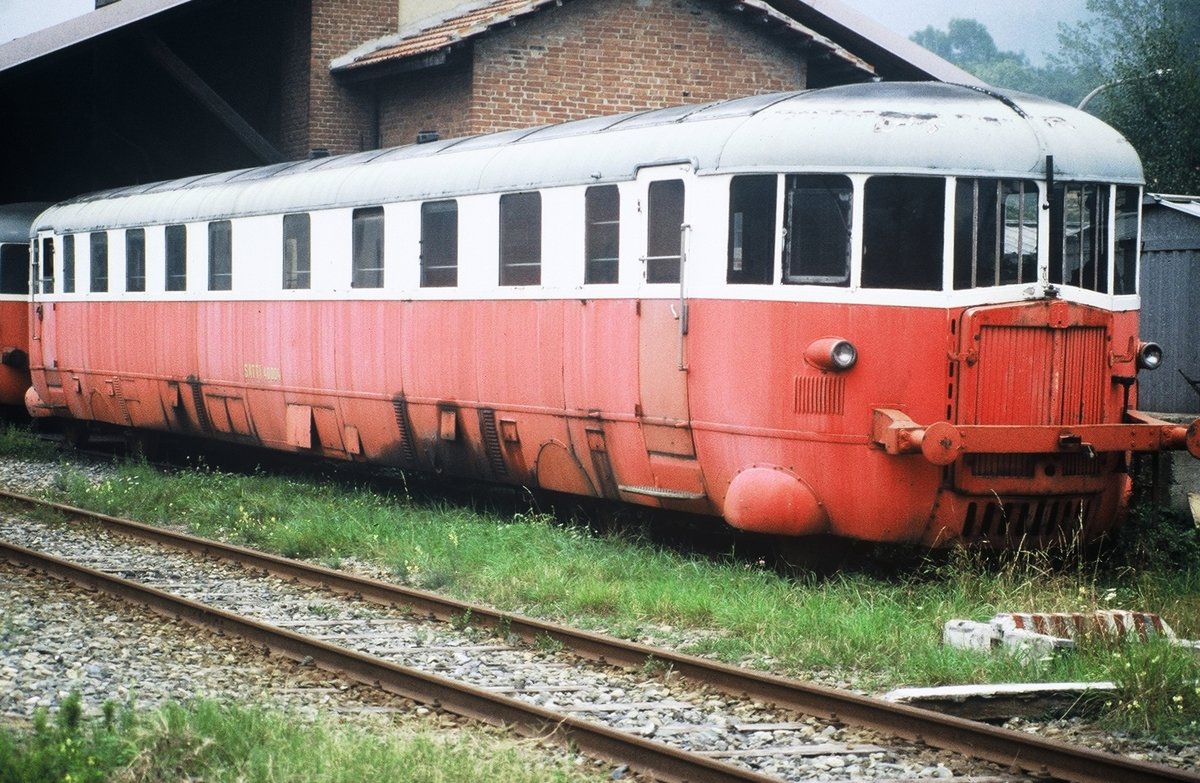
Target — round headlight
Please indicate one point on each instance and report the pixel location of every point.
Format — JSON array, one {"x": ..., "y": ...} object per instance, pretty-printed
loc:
[
  {"x": 843, "y": 355},
  {"x": 1150, "y": 356},
  {"x": 831, "y": 354}
]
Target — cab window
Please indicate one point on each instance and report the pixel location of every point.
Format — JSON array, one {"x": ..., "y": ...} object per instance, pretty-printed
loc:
[
  {"x": 817, "y": 221},
  {"x": 995, "y": 232},
  {"x": 903, "y": 227},
  {"x": 751, "y": 243}
]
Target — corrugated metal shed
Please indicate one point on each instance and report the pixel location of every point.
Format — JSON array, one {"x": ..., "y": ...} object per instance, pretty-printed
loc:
[{"x": 1170, "y": 286}]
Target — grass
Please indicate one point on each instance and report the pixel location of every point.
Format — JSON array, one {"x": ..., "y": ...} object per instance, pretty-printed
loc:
[
  {"x": 873, "y": 631},
  {"x": 214, "y": 742}
]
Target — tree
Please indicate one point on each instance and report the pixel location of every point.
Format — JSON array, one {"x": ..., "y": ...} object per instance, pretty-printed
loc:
[
  {"x": 968, "y": 44},
  {"x": 1145, "y": 57}
]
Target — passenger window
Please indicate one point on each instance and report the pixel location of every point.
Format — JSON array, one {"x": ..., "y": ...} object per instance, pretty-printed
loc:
[
  {"x": 220, "y": 256},
  {"x": 602, "y": 234},
  {"x": 297, "y": 251},
  {"x": 1125, "y": 260},
  {"x": 1082, "y": 236},
  {"x": 368, "y": 248},
  {"x": 664, "y": 224},
  {"x": 135, "y": 260},
  {"x": 68, "y": 282},
  {"x": 903, "y": 222},
  {"x": 751, "y": 246},
  {"x": 14, "y": 269},
  {"x": 99, "y": 265},
  {"x": 176, "y": 249},
  {"x": 47, "y": 262},
  {"x": 521, "y": 239},
  {"x": 817, "y": 220},
  {"x": 439, "y": 244},
  {"x": 995, "y": 232}
]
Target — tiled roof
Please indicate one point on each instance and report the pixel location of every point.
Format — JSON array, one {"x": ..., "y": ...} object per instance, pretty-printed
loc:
[{"x": 434, "y": 35}]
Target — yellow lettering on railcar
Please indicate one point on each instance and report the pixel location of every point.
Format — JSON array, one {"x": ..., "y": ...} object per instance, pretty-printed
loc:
[{"x": 259, "y": 372}]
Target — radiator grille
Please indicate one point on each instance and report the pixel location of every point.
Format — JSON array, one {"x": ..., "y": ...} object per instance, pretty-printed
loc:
[
  {"x": 1026, "y": 465},
  {"x": 1028, "y": 375},
  {"x": 1032, "y": 520}
]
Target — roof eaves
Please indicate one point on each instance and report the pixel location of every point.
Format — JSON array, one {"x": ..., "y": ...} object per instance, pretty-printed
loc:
[
  {"x": 79, "y": 29},
  {"x": 808, "y": 33},
  {"x": 439, "y": 32}
]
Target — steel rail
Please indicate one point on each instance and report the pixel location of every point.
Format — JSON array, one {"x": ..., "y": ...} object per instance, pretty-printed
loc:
[
  {"x": 661, "y": 761},
  {"x": 977, "y": 740}
]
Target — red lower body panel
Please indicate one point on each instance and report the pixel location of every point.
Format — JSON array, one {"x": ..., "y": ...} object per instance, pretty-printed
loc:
[{"x": 595, "y": 397}]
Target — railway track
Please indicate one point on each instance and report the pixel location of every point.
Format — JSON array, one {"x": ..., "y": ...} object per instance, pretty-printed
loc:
[{"x": 507, "y": 669}]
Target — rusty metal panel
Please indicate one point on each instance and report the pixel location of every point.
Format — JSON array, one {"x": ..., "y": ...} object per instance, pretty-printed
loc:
[
  {"x": 300, "y": 426},
  {"x": 662, "y": 383}
]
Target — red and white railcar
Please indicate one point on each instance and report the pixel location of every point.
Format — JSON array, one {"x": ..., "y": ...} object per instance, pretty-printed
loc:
[
  {"x": 15, "y": 223},
  {"x": 892, "y": 312}
]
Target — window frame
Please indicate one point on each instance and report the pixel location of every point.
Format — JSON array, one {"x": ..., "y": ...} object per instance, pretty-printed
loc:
[
  {"x": 750, "y": 257},
  {"x": 296, "y": 249},
  {"x": 666, "y": 211},
  {"x": 438, "y": 258},
  {"x": 844, "y": 189},
  {"x": 601, "y": 235},
  {"x": 98, "y": 262},
  {"x": 135, "y": 260},
  {"x": 175, "y": 257},
  {"x": 68, "y": 265},
  {"x": 904, "y": 221},
  {"x": 520, "y": 241},
  {"x": 220, "y": 255},
  {"x": 980, "y": 241},
  {"x": 368, "y": 233}
]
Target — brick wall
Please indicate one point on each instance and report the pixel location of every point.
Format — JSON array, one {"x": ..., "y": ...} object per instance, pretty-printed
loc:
[
  {"x": 589, "y": 58},
  {"x": 596, "y": 57},
  {"x": 437, "y": 102},
  {"x": 342, "y": 119},
  {"x": 294, "y": 76}
]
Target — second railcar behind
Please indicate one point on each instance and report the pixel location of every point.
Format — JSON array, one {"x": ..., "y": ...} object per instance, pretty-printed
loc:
[{"x": 16, "y": 221}]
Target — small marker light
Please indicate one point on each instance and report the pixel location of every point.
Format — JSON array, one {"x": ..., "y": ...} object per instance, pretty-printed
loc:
[{"x": 1149, "y": 356}]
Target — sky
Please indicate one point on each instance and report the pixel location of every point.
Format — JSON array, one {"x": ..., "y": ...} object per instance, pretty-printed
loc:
[{"x": 1028, "y": 26}]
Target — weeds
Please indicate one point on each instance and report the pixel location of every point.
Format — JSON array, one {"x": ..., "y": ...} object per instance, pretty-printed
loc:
[{"x": 67, "y": 749}]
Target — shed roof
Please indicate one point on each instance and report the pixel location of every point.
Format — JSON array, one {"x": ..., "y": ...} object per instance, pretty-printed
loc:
[
  {"x": 435, "y": 35},
  {"x": 1189, "y": 205},
  {"x": 82, "y": 28}
]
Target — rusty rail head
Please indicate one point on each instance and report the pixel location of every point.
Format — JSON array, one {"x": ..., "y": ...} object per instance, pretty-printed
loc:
[{"x": 977, "y": 740}]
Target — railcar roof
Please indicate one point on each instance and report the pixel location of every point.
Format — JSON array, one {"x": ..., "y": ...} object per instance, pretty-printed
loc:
[{"x": 918, "y": 127}]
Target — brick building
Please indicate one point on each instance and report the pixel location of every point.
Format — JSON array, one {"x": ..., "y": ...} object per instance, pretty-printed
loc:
[{"x": 143, "y": 90}]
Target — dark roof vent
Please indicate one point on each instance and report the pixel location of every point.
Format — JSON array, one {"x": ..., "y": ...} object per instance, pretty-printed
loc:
[
  {"x": 426, "y": 136},
  {"x": 318, "y": 152}
]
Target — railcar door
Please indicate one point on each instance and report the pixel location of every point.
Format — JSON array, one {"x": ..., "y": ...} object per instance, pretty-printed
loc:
[
  {"x": 662, "y": 339},
  {"x": 41, "y": 283}
]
